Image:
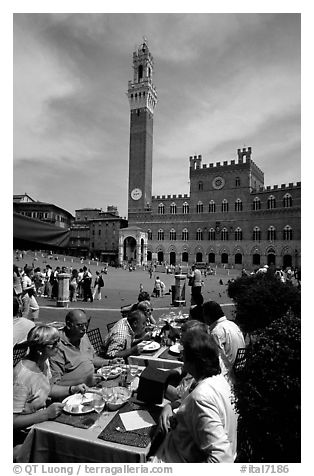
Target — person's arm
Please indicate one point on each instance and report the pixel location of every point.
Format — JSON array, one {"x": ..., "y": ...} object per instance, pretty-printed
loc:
[
  {"x": 21, "y": 420},
  {"x": 164, "y": 418},
  {"x": 60, "y": 391}
]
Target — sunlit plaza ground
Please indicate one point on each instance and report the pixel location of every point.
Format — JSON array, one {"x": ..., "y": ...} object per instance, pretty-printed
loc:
[{"x": 122, "y": 288}]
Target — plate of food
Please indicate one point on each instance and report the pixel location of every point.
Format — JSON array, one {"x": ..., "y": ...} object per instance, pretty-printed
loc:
[
  {"x": 79, "y": 403},
  {"x": 114, "y": 372},
  {"x": 150, "y": 346},
  {"x": 176, "y": 349}
]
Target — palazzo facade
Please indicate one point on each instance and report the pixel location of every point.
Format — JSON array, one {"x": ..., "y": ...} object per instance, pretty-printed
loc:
[{"x": 229, "y": 218}]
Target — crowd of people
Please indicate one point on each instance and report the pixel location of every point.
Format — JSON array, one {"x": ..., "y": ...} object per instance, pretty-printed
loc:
[{"x": 199, "y": 424}]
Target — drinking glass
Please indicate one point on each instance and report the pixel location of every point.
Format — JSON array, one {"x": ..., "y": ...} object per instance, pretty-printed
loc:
[
  {"x": 98, "y": 404},
  {"x": 133, "y": 370},
  {"x": 105, "y": 372}
]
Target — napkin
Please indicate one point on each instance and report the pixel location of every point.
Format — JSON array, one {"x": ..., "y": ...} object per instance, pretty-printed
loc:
[{"x": 137, "y": 419}]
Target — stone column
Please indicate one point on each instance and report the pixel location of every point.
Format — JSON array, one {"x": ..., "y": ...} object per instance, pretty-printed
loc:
[
  {"x": 63, "y": 289},
  {"x": 120, "y": 256},
  {"x": 138, "y": 252},
  {"x": 179, "y": 296}
]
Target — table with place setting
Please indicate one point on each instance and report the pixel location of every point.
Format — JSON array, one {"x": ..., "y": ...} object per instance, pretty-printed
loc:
[{"x": 105, "y": 425}]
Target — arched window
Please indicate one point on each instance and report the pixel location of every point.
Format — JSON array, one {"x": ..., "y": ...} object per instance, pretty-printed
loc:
[
  {"x": 287, "y": 233},
  {"x": 287, "y": 200},
  {"x": 200, "y": 186},
  {"x": 172, "y": 234},
  {"x": 271, "y": 202},
  {"x": 238, "y": 205},
  {"x": 271, "y": 233},
  {"x": 212, "y": 207},
  {"x": 185, "y": 208},
  {"x": 161, "y": 209},
  {"x": 212, "y": 234},
  {"x": 199, "y": 207},
  {"x": 199, "y": 234},
  {"x": 256, "y": 259},
  {"x": 224, "y": 234},
  {"x": 173, "y": 208},
  {"x": 256, "y": 204},
  {"x": 149, "y": 235},
  {"x": 185, "y": 234},
  {"x": 256, "y": 234},
  {"x": 160, "y": 235},
  {"x": 238, "y": 234},
  {"x": 238, "y": 258},
  {"x": 224, "y": 205},
  {"x": 237, "y": 182}
]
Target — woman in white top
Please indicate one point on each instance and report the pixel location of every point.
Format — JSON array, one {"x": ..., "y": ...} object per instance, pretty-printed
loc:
[
  {"x": 204, "y": 429},
  {"x": 31, "y": 382}
]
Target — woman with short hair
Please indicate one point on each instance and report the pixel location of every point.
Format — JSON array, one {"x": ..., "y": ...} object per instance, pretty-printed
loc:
[
  {"x": 205, "y": 425},
  {"x": 31, "y": 381}
]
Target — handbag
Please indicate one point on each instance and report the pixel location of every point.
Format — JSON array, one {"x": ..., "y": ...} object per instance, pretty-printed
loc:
[{"x": 191, "y": 280}]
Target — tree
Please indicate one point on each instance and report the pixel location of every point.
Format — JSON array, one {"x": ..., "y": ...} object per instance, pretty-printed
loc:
[
  {"x": 261, "y": 298},
  {"x": 267, "y": 395}
]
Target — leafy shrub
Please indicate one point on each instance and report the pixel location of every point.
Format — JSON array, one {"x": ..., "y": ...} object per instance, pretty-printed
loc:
[
  {"x": 261, "y": 298},
  {"x": 267, "y": 395}
]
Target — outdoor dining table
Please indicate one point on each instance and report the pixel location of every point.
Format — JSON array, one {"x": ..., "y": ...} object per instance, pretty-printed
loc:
[
  {"x": 162, "y": 358},
  {"x": 56, "y": 442}
]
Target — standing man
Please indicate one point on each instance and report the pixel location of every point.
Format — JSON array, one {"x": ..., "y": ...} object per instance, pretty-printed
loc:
[
  {"x": 226, "y": 334},
  {"x": 195, "y": 281},
  {"x": 87, "y": 285}
]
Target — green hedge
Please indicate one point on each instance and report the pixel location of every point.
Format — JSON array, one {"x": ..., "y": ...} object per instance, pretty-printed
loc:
[
  {"x": 262, "y": 298},
  {"x": 267, "y": 394}
]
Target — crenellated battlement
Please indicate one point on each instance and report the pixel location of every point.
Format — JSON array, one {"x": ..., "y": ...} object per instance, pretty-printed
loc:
[
  {"x": 244, "y": 157},
  {"x": 274, "y": 188},
  {"x": 170, "y": 197}
]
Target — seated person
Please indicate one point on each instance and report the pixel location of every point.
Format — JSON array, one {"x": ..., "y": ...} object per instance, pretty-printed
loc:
[
  {"x": 21, "y": 325},
  {"x": 32, "y": 382},
  {"x": 226, "y": 334},
  {"x": 180, "y": 381},
  {"x": 75, "y": 359},
  {"x": 204, "y": 428},
  {"x": 196, "y": 311},
  {"x": 143, "y": 297},
  {"x": 126, "y": 336}
]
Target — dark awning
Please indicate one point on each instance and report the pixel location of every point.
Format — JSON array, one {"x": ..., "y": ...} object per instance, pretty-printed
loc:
[{"x": 38, "y": 232}]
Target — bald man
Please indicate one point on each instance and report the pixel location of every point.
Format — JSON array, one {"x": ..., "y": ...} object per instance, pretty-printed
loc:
[{"x": 75, "y": 361}]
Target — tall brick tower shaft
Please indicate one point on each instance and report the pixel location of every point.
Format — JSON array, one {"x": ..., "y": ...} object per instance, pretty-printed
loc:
[{"x": 143, "y": 99}]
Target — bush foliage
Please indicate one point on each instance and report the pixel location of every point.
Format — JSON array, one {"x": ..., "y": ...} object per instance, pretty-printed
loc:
[
  {"x": 261, "y": 298},
  {"x": 268, "y": 395}
]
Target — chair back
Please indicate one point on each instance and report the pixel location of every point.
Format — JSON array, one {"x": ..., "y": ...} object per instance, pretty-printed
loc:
[
  {"x": 95, "y": 338},
  {"x": 110, "y": 325},
  {"x": 19, "y": 351},
  {"x": 240, "y": 360}
]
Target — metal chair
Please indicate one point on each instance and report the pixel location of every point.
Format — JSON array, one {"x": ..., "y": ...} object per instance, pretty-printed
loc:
[
  {"x": 95, "y": 338},
  {"x": 240, "y": 361},
  {"x": 19, "y": 351}
]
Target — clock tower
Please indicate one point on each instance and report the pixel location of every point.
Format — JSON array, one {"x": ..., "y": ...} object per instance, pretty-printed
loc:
[{"x": 142, "y": 99}]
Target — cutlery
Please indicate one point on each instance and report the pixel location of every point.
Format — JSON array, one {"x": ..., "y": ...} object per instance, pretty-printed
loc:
[{"x": 121, "y": 430}]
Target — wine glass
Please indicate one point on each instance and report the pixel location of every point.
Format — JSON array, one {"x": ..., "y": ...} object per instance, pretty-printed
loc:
[
  {"x": 98, "y": 404},
  {"x": 105, "y": 372},
  {"x": 133, "y": 370}
]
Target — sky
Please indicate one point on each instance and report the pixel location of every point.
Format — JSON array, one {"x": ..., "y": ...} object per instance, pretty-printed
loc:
[{"x": 224, "y": 81}]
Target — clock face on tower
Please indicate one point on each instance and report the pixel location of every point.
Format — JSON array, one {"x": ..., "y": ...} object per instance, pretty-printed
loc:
[
  {"x": 218, "y": 183},
  {"x": 136, "y": 193}
]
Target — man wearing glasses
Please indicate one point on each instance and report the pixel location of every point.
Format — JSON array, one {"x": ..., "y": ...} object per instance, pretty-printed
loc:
[{"x": 75, "y": 360}]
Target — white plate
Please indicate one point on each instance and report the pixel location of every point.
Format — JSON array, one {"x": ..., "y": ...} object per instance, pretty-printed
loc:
[
  {"x": 151, "y": 346},
  {"x": 115, "y": 372},
  {"x": 73, "y": 403},
  {"x": 176, "y": 349}
]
